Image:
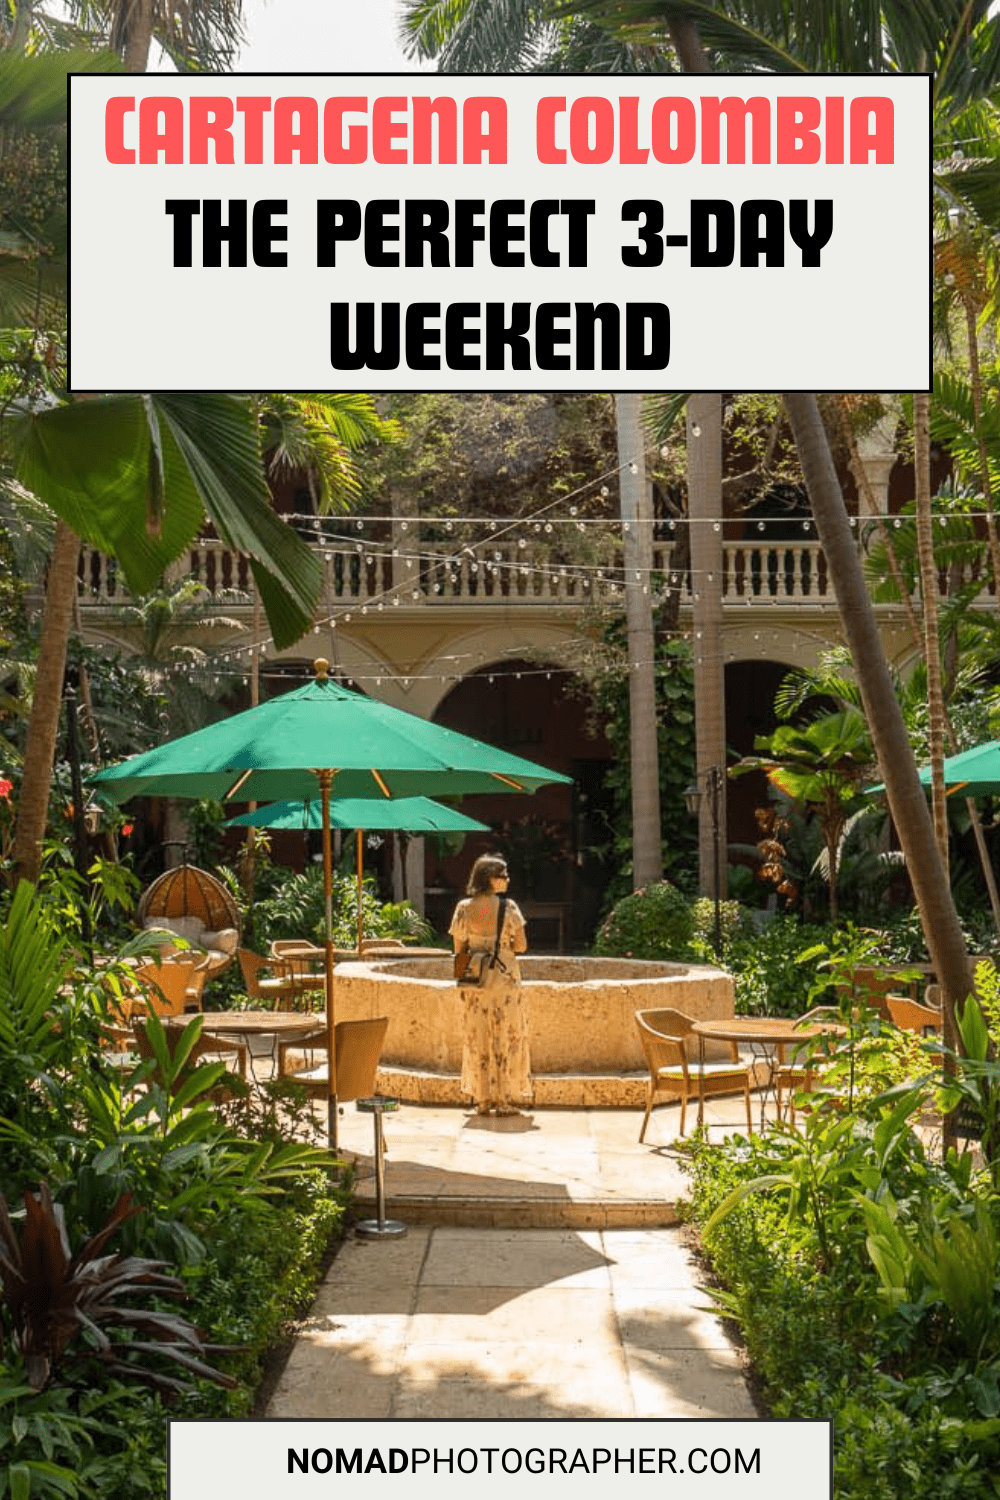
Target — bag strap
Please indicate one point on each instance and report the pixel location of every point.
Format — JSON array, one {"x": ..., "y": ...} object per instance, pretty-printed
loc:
[{"x": 500, "y": 915}]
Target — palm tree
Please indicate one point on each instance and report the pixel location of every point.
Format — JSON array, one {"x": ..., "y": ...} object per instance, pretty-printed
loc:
[
  {"x": 964, "y": 45},
  {"x": 821, "y": 766},
  {"x": 907, "y": 802},
  {"x": 201, "y": 35},
  {"x": 137, "y": 476}
]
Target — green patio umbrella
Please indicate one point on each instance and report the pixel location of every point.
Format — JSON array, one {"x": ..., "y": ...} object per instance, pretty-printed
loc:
[
  {"x": 974, "y": 773},
  {"x": 405, "y": 814},
  {"x": 313, "y": 741}
]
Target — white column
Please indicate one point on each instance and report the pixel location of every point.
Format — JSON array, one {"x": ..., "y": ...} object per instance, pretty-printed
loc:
[{"x": 876, "y": 461}]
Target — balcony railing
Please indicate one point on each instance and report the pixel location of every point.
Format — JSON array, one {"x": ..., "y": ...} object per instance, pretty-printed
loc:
[{"x": 508, "y": 573}]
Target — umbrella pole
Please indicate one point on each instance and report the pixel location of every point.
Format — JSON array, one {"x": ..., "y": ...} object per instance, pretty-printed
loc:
[
  {"x": 325, "y": 780},
  {"x": 358, "y": 847}
]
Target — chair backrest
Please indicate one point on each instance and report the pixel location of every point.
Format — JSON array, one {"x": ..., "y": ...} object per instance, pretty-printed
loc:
[
  {"x": 358, "y": 1045},
  {"x": 671, "y": 1022},
  {"x": 662, "y": 1040},
  {"x": 295, "y": 948},
  {"x": 251, "y": 965},
  {"x": 909, "y": 1015},
  {"x": 165, "y": 986},
  {"x": 871, "y": 986}
]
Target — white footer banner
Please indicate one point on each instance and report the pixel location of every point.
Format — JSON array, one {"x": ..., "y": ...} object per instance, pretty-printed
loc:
[{"x": 681, "y": 1458}]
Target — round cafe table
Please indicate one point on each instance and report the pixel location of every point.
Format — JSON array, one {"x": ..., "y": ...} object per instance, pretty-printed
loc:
[
  {"x": 763, "y": 1035},
  {"x": 279, "y": 1025}
]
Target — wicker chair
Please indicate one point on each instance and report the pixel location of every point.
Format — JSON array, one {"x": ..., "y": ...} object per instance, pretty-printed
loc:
[
  {"x": 358, "y": 1044},
  {"x": 799, "y": 1063},
  {"x": 925, "y": 1020},
  {"x": 871, "y": 987},
  {"x": 675, "y": 1070},
  {"x": 171, "y": 988},
  {"x": 910, "y": 1015},
  {"x": 275, "y": 992},
  {"x": 190, "y": 903}
]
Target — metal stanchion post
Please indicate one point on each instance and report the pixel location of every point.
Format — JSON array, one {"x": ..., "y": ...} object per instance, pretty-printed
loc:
[{"x": 380, "y": 1227}]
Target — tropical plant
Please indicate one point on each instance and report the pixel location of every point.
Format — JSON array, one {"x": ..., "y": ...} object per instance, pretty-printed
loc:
[
  {"x": 770, "y": 978},
  {"x": 38, "y": 1025},
  {"x": 59, "y": 1306},
  {"x": 155, "y": 1132},
  {"x": 974, "y": 1081},
  {"x": 821, "y": 767},
  {"x": 49, "y": 1441},
  {"x": 948, "y": 1261}
]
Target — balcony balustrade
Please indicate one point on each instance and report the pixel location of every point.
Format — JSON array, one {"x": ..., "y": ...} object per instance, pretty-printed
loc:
[
  {"x": 494, "y": 573},
  {"x": 505, "y": 572}
]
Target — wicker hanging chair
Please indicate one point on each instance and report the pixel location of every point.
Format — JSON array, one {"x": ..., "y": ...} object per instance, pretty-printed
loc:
[{"x": 188, "y": 891}]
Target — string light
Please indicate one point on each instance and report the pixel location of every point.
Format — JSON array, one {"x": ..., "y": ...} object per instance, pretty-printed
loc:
[{"x": 758, "y": 572}]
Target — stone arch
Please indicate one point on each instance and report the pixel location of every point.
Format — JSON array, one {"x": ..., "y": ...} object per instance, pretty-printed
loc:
[{"x": 461, "y": 653}]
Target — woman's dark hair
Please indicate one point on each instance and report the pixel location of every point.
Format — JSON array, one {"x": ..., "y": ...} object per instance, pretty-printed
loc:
[{"x": 483, "y": 871}]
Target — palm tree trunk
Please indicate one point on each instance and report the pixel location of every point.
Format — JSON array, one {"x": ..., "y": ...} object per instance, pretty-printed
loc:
[
  {"x": 43, "y": 726},
  {"x": 637, "y": 549},
  {"x": 140, "y": 36},
  {"x": 976, "y": 379},
  {"x": 907, "y": 800},
  {"x": 932, "y": 641},
  {"x": 704, "y": 463}
]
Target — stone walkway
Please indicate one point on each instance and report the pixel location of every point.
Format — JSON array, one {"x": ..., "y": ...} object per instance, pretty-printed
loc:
[{"x": 543, "y": 1275}]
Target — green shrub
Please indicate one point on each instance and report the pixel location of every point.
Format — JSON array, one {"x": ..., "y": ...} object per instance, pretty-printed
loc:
[
  {"x": 262, "y": 1272},
  {"x": 735, "y": 920},
  {"x": 770, "y": 980},
  {"x": 808, "y": 1250},
  {"x": 654, "y": 922},
  {"x": 290, "y": 905}
]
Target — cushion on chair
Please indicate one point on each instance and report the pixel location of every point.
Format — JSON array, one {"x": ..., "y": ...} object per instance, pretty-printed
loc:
[
  {"x": 218, "y": 947},
  {"x": 224, "y": 940},
  {"x": 710, "y": 1070}
]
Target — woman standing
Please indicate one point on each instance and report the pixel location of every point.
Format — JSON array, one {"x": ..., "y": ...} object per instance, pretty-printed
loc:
[{"x": 496, "y": 1067}]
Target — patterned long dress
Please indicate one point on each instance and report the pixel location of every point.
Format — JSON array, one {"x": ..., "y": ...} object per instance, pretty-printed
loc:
[{"x": 496, "y": 1063}]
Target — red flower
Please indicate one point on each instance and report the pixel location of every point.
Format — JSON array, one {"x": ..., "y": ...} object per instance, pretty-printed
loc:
[
  {"x": 6, "y": 787},
  {"x": 127, "y": 829}
]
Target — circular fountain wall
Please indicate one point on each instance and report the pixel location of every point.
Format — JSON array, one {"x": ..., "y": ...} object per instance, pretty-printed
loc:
[{"x": 584, "y": 1044}]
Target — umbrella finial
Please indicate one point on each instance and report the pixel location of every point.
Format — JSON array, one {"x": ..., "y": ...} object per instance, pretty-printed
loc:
[{"x": 322, "y": 667}]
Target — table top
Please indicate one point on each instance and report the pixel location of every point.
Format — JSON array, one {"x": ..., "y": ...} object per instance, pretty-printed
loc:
[
  {"x": 254, "y": 1022},
  {"x": 764, "y": 1029}
]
